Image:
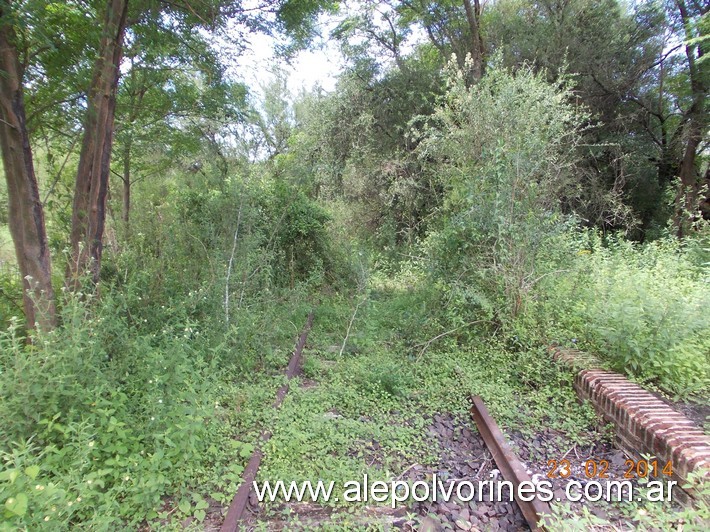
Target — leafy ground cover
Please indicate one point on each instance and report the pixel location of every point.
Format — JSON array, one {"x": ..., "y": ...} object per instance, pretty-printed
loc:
[
  {"x": 371, "y": 405},
  {"x": 368, "y": 409},
  {"x": 160, "y": 435},
  {"x": 175, "y": 415}
]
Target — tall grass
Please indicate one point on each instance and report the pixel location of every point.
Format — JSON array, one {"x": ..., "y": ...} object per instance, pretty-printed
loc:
[{"x": 644, "y": 308}]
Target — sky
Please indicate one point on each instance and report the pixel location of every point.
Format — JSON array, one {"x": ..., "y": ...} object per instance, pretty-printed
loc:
[{"x": 319, "y": 65}]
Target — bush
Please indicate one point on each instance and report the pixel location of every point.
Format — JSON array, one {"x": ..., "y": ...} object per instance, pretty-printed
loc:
[
  {"x": 120, "y": 407},
  {"x": 505, "y": 150},
  {"x": 301, "y": 248},
  {"x": 95, "y": 435},
  {"x": 642, "y": 307}
]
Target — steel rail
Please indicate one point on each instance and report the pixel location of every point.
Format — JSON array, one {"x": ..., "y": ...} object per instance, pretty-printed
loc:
[
  {"x": 509, "y": 465},
  {"x": 241, "y": 498}
]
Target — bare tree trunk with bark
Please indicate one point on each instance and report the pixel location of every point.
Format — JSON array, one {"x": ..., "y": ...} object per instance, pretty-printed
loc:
[
  {"x": 473, "y": 16},
  {"x": 92, "y": 178},
  {"x": 696, "y": 122},
  {"x": 26, "y": 218}
]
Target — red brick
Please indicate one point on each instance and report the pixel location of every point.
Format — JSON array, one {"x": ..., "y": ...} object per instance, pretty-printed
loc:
[
  {"x": 664, "y": 420},
  {"x": 644, "y": 423}
]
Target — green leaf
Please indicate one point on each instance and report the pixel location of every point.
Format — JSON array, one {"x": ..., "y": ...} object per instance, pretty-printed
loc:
[
  {"x": 200, "y": 515},
  {"x": 202, "y": 504},
  {"x": 185, "y": 506},
  {"x": 32, "y": 471},
  {"x": 246, "y": 451},
  {"x": 10, "y": 474},
  {"x": 17, "y": 504}
]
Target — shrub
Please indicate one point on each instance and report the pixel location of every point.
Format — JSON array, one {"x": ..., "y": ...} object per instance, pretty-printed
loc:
[
  {"x": 120, "y": 406},
  {"x": 642, "y": 307},
  {"x": 505, "y": 150}
]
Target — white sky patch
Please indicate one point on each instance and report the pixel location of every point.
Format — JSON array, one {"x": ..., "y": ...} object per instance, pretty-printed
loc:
[{"x": 316, "y": 67}]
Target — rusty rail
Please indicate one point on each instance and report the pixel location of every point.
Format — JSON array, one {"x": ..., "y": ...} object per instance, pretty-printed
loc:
[
  {"x": 509, "y": 465},
  {"x": 241, "y": 498}
]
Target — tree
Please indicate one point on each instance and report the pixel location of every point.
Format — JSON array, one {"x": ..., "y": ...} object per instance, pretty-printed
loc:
[
  {"x": 91, "y": 188},
  {"x": 275, "y": 121},
  {"x": 612, "y": 51},
  {"x": 453, "y": 27},
  {"x": 173, "y": 83},
  {"x": 375, "y": 30},
  {"x": 473, "y": 17},
  {"x": 695, "y": 117},
  {"x": 26, "y": 216},
  {"x": 89, "y": 208},
  {"x": 43, "y": 27},
  {"x": 356, "y": 143}
]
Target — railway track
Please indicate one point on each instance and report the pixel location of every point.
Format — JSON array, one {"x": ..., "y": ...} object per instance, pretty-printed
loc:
[
  {"x": 493, "y": 437},
  {"x": 473, "y": 460},
  {"x": 235, "y": 513}
]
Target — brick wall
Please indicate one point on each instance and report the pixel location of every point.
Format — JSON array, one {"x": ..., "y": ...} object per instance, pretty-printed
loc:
[{"x": 644, "y": 424}]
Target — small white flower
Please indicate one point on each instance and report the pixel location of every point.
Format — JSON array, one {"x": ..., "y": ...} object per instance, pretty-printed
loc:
[
  {"x": 160, "y": 401},
  {"x": 91, "y": 444},
  {"x": 152, "y": 419},
  {"x": 78, "y": 499},
  {"x": 126, "y": 478},
  {"x": 46, "y": 518}
]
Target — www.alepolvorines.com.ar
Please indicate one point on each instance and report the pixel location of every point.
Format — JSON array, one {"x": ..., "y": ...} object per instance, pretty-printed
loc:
[{"x": 435, "y": 489}]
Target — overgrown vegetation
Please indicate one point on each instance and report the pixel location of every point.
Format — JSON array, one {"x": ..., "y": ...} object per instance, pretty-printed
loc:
[
  {"x": 374, "y": 401},
  {"x": 640, "y": 307},
  {"x": 447, "y": 216},
  {"x": 133, "y": 398}
]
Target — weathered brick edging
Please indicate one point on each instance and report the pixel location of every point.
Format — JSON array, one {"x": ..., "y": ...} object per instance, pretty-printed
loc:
[{"x": 644, "y": 424}]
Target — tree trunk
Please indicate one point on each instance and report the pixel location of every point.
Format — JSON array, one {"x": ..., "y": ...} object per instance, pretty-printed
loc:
[
  {"x": 26, "y": 218},
  {"x": 92, "y": 178},
  {"x": 696, "y": 120},
  {"x": 473, "y": 15}
]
